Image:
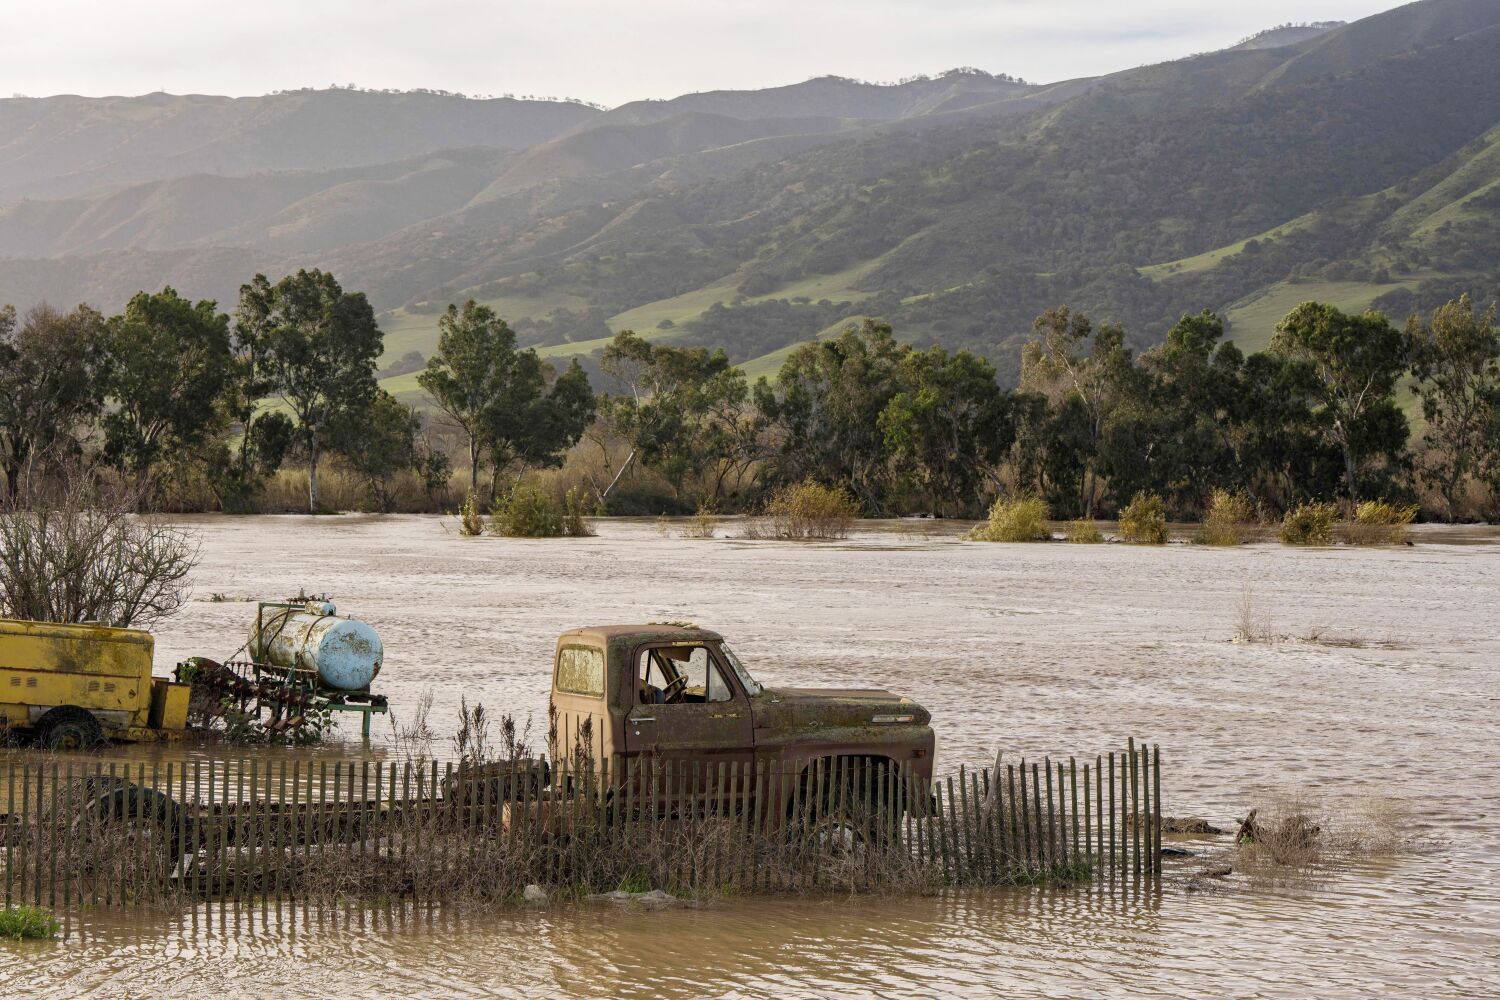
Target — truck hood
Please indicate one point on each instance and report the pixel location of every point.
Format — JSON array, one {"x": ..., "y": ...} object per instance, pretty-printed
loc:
[{"x": 797, "y": 708}]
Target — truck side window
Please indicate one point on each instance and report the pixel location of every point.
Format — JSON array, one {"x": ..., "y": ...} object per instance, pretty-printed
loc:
[{"x": 676, "y": 675}]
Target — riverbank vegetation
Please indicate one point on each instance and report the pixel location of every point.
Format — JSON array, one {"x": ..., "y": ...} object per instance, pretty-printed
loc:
[{"x": 276, "y": 408}]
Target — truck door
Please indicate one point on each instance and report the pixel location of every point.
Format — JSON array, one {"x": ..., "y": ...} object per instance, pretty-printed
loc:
[{"x": 689, "y": 712}]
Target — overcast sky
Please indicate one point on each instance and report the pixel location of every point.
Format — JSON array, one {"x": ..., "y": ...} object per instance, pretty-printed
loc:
[{"x": 610, "y": 51}]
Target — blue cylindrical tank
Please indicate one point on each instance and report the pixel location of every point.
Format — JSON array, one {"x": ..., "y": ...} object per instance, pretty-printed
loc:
[{"x": 344, "y": 653}]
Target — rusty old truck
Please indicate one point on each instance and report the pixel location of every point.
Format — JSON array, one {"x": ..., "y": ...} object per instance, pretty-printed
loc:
[{"x": 677, "y": 697}]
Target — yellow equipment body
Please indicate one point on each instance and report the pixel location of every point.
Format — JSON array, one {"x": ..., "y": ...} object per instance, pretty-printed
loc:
[{"x": 103, "y": 671}]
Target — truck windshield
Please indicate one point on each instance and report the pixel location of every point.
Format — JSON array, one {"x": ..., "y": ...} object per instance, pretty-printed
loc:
[{"x": 751, "y": 685}]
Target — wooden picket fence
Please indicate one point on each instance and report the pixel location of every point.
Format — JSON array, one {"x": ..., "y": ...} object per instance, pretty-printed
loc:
[{"x": 95, "y": 833}]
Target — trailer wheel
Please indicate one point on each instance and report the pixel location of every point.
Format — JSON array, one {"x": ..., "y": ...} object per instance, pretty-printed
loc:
[
  {"x": 101, "y": 807},
  {"x": 68, "y": 727}
]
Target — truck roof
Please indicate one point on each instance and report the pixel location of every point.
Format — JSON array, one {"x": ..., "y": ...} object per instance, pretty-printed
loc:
[{"x": 669, "y": 630}]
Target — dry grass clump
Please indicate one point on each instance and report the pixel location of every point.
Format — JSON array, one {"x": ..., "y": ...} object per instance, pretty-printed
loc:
[
  {"x": 1377, "y": 522},
  {"x": 1084, "y": 531},
  {"x": 1226, "y": 519},
  {"x": 1252, "y": 623},
  {"x": 1309, "y": 524},
  {"x": 1019, "y": 519},
  {"x": 806, "y": 510},
  {"x": 1144, "y": 520},
  {"x": 1293, "y": 836}
]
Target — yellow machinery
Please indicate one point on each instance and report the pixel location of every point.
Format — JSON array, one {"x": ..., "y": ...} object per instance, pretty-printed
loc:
[{"x": 74, "y": 686}]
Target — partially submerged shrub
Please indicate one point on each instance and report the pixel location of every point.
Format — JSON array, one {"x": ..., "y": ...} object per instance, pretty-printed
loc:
[
  {"x": 526, "y": 512},
  {"x": 1144, "y": 520},
  {"x": 470, "y": 520},
  {"x": 1084, "y": 531},
  {"x": 1226, "y": 517},
  {"x": 702, "y": 523},
  {"x": 23, "y": 922},
  {"x": 808, "y": 510},
  {"x": 574, "y": 526},
  {"x": 1377, "y": 522},
  {"x": 1309, "y": 524},
  {"x": 1019, "y": 519},
  {"x": 1293, "y": 834}
]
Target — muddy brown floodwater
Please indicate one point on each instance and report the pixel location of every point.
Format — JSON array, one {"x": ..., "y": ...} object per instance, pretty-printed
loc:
[{"x": 1383, "y": 683}]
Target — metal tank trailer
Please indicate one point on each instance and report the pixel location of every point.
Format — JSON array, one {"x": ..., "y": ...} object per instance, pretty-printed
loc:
[{"x": 302, "y": 657}]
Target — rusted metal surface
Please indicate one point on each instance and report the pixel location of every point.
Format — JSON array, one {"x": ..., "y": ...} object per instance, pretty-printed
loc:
[{"x": 677, "y": 693}]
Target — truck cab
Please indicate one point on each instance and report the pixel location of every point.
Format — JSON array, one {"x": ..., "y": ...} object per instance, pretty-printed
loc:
[{"x": 679, "y": 694}]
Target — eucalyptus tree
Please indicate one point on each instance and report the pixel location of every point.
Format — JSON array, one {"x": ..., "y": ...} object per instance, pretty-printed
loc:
[
  {"x": 1356, "y": 362},
  {"x": 513, "y": 407},
  {"x": 169, "y": 365},
  {"x": 52, "y": 375},
  {"x": 1456, "y": 362},
  {"x": 319, "y": 345},
  {"x": 681, "y": 405}
]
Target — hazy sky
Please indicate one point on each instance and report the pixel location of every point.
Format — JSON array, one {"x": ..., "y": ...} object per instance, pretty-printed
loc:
[{"x": 609, "y": 51}]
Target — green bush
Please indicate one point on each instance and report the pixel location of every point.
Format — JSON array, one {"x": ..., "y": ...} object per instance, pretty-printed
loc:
[
  {"x": 1309, "y": 524},
  {"x": 22, "y": 922},
  {"x": 1226, "y": 517},
  {"x": 1377, "y": 522},
  {"x": 1144, "y": 520},
  {"x": 808, "y": 510},
  {"x": 1019, "y": 519},
  {"x": 1084, "y": 531},
  {"x": 526, "y": 512}
]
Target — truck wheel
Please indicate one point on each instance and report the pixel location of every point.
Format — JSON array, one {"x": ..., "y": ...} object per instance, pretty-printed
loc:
[{"x": 69, "y": 727}]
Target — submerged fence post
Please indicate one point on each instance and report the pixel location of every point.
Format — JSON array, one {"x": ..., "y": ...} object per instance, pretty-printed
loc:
[
  {"x": 1156, "y": 792},
  {"x": 1134, "y": 825}
]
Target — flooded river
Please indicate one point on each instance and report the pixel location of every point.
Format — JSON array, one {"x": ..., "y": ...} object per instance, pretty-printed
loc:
[{"x": 1380, "y": 682}]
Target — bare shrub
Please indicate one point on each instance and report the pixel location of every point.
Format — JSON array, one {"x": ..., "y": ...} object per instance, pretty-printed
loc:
[
  {"x": 1377, "y": 522},
  {"x": 804, "y": 511},
  {"x": 1019, "y": 519},
  {"x": 414, "y": 737},
  {"x": 1144, "y": 520},
  {"x": 1226, "y": 518},
  {"x": 1309, "y": 524},
  {"x": 1293, "y": 834},
  {"x": 1252, "y": 624},
  {"x": 81, "y": 555},
  {"x": 1084, "y": 531}
]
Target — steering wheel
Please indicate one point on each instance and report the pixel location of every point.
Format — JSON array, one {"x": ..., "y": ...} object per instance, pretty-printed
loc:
[{"x": 674, "y": 687}]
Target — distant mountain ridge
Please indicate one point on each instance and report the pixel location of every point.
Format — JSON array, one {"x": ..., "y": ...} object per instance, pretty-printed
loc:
[
  {"x": 1351, "y": 162},
  {"x": 60, "y": 146}
]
